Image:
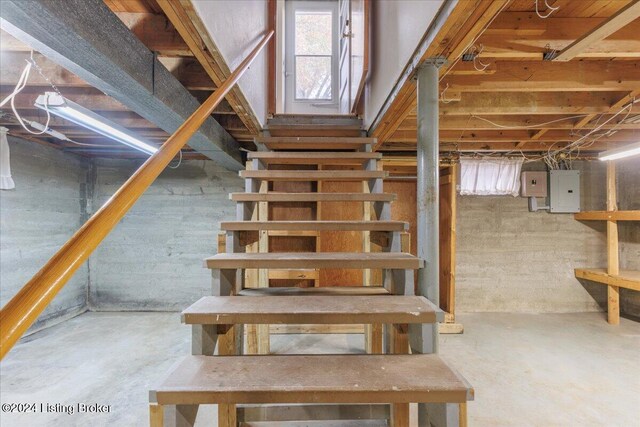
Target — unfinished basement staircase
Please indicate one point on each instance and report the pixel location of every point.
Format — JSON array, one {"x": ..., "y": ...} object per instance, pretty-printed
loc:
[{"x": 260, "y": 280}]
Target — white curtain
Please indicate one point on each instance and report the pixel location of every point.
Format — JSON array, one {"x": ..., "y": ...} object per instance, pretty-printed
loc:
[
  {"x": 490, "y": 177},
  {"x": 6, "y": 182}
]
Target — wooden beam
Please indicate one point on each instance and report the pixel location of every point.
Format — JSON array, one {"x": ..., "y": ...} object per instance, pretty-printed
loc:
[
  {"x": 539, "y": 76},
  {"x": 560, "y": 121},
  {"x": 108, "y": 56},
  {"x": 519, "y": 103},
  {"x": 618, "y": 105},
  {"x": 620, "y": 19},
  {"x": 479, "y": 147},
  {"x": 188, "y": 23},
  {"x": 613, "y": 262},
  {"x": 522, "y": 35},
  {"x": 608, "y": 216}
]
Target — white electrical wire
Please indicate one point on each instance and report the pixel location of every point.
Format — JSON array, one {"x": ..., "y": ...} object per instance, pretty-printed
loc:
[
  {"x": 527, "y": 127},
  {"x": 179, "y": 162},
  {"x": 442, "y": 98},
  {"x": 551, "y": 10}
]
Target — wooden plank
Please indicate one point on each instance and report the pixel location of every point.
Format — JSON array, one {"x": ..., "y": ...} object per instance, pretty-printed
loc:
[
  {"x": 312, "y": 197},
  {"x": 311, "y": 309},
  {"x": 294, "y": 175},
  {"x": 382, "y": 260},
  {"x": 628, "y": 279},
  {"x": 316, "y": 329},
  {"x": 314, "y": 143},
  {"x": 227, "y": 345},
  {"x": 314, "y": 225},
  {"x": 322, "y": 290},
  {"x": 620, "y": 19},
  {"x": 613, "y": 261},
  {"x": 302, "y": 274},
  {"x": 608, "y": 216},
  {"x": 318, "y": 379},
  {"x": 156, "y": 415},
  {"x": 400, "y": 345},
  {"x": 313, "y": 157}
]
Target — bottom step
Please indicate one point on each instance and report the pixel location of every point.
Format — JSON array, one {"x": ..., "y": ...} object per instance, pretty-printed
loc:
[
  {"x": 320, "y": 290},
  {"x": 367, "y": 378}
]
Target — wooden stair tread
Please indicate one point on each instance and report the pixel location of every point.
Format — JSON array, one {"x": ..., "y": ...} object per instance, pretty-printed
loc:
[
  {"x": 608, "y": 216},
  {"x": 629, "y": 279},
  {"x": 313, "y": 379},
  {"x": 313, "y": 157},
  {"x": 347, "y": 260},
  {"x": 313, "y": 175},
  {"x": 312, "y": 309},
  {"x": 312, "y": 197},
  {"x": 315, "y": 225},
  {"x": 315, "y": 142},
  {"x": 319, "y": 290}
]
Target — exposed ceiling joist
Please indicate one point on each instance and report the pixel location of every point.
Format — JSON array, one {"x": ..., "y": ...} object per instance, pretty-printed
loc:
[
  {"x": 86, "y": 38},
  {"x": 545, "y": 76},
  {"x": 618, "y": 20},
  {"x": 193, "y": 31},
  {"x": 518, "y": 103},
  {"x": 522, "y": 35}
]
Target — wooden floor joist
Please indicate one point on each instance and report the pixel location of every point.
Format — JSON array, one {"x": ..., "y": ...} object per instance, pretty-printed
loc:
[{"x": 313, "y": 157}]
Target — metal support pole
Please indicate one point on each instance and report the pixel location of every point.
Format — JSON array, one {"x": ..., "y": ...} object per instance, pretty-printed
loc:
[
  {"x": 424, "y": 338},
  {"x": 428, "y": 226}
]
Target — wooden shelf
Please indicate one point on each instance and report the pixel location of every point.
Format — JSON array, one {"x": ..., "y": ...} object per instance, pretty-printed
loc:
[
  {"x": 608, "y": 216},
  {"x": 626, "y": 279}
]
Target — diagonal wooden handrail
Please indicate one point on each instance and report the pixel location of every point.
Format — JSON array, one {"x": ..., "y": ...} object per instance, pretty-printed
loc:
[{"x": 25, "y": 307}]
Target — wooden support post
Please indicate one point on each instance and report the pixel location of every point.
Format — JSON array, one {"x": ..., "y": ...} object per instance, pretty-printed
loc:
[
  {"x": 613, "y": 263},
  {"x": 203, "y": 340},
  {"x": 463, "y": 415},
  {"x": 156, "y": 415},
  {"x": 399, "y": 345},
  {"x": 228, "y": 346}
]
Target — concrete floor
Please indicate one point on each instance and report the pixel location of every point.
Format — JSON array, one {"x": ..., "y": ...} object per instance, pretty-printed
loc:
[{"x": 527, "y": 370}]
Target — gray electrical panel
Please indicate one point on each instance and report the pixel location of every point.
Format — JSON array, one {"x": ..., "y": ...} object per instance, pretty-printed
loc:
[{"x": 564, "y": 191}]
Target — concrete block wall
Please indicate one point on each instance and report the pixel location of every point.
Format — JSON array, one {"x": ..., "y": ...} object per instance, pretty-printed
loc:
[
  {"x": 513, "y": 260},
  {"x": 37, "y": 217},
  {"x": 153, "y": 260},
  {"x": 629, "y": 232}
]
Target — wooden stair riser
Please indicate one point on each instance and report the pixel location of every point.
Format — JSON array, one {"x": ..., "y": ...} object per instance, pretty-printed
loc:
[
  {"x": 320, "y": 225},
  {"x": 276, "y": 197}
]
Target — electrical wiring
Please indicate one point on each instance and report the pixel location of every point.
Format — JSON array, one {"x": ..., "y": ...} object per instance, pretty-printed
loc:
[
  {"x": 179, "y": 162},
  {"x": 528, "y": 127},
  {"x": 551, "y": 10}
]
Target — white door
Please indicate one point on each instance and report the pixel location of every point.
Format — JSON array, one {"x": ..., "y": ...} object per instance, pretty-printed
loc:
[{"x": 311, "y": 57}]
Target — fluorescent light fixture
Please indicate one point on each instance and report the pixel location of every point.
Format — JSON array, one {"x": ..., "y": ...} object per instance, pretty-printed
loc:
[
  {"x": 62, "y": 107},
  {"x": 621, "y": 152}
]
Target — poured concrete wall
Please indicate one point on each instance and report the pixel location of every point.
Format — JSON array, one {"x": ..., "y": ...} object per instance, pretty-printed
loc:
[
  {"x": 513, "y": 260},
  {"x": 36, "y": 218},
  {"x": 236, "y": 27},
  {"x": 629, "y": 232},
  {"x": 153, "y": 260},
  {"x": 398, "y": 26}
]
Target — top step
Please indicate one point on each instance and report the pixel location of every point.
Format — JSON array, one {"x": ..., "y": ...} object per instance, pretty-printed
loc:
[
  {"x": 313, "y": 157},
  {"x": 316, "y": 143}
]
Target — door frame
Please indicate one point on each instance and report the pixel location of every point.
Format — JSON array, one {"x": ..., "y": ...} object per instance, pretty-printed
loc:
[{"x": 309, "y": 106}]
